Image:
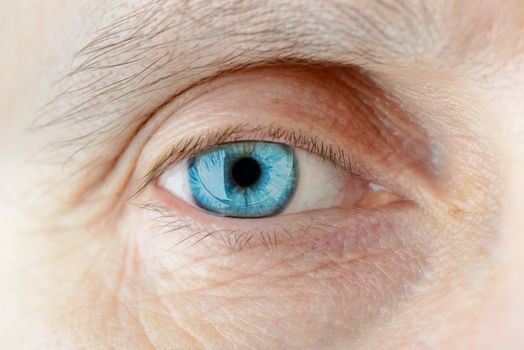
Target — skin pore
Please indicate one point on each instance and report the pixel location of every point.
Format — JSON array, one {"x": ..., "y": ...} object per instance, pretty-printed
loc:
[{"x": 100, "y": 98}]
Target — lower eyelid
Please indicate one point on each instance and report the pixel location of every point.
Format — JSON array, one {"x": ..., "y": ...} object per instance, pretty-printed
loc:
[{"x": 340, "y": 233}]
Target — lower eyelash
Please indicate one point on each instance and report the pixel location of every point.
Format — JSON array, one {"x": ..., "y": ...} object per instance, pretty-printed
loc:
[
  {"x": 340, "y": 237},
  {"x": 234, "y": 240}
]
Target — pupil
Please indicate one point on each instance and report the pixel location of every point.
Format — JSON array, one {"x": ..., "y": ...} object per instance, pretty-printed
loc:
[{"x": 246, "y": 172}]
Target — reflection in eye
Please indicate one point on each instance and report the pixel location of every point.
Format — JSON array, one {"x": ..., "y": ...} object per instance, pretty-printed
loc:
[{"x": 243, "y": 179}]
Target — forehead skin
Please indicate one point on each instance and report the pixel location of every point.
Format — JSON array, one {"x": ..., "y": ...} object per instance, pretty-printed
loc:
[{"x": 66, "y": 63}]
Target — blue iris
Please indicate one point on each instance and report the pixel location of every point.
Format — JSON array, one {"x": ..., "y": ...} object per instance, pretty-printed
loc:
[{"x": 243, "y": 179}]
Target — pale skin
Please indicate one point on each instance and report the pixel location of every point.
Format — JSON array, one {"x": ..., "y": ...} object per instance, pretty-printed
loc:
[{"x": 426, "y": 99}]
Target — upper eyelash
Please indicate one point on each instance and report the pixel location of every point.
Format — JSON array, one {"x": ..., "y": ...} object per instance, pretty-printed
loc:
[{"x": 188, "y": 147}]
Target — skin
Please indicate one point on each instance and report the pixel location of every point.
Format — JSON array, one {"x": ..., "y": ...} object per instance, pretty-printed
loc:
[{"x": 84, "y": 265}]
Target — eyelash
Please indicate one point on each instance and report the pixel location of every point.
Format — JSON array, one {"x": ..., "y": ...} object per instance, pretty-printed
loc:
[
  {"x": 234, "y": 239},
  {"x": 188, "y": 147}
]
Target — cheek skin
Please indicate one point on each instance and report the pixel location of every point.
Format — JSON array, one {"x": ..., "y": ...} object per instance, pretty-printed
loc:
[{"x": 307, "y": 291}]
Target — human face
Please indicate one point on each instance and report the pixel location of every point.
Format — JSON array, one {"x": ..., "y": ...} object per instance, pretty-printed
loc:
[{"x": 385, "y": 140}]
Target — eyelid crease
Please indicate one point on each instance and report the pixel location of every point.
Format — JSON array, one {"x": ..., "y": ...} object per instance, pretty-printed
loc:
[{"x": 187, "y": 147}]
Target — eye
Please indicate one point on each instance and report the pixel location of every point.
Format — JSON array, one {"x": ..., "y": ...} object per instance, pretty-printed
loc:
[
  {"x": 250, "y": 179},
  {"x": 243, "y": 179},
  {"x": 311, "y": 164}
]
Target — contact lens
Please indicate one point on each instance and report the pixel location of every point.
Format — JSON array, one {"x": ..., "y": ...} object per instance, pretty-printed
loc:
[{"x": 243, "y": 179}]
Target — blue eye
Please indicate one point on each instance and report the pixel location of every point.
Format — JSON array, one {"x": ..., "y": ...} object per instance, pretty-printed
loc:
[
  {"x": 243, "y": 179},
  {"x": 260, "y": 179}
]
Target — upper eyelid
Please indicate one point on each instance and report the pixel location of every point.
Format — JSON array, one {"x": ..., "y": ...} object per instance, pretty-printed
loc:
[
  {"x": 187, "y": 147},
  {"x": 367, "y": 133}
]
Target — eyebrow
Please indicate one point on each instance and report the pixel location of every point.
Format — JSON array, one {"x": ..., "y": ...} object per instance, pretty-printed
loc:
[{"x": 150, "y": 53}]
